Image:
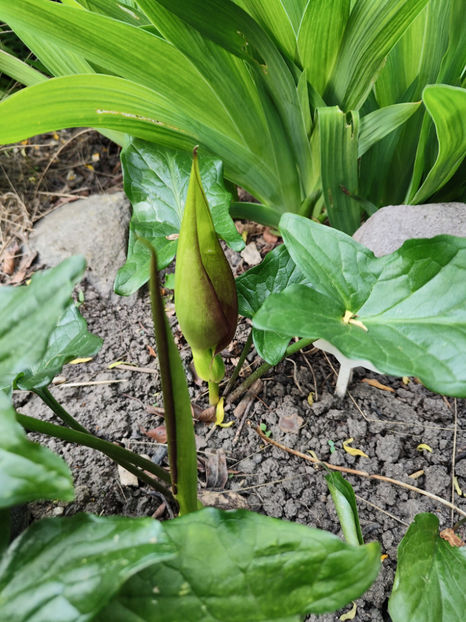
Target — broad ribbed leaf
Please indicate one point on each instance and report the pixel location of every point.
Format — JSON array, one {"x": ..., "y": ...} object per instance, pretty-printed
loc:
[
  {"x": 19, "y": 70},
  {"x": 338, "y": 140},
  {"x": 372, "y": 30},
  {"x": 68, "y": 341},
  {"x": 67, "y": 569},
  {"x": 411, "y": 302},
  {"x": 376, "y": 125},
  {"x": 250, "y": 557},
  {"x": 273, "y": 274},
  {"x": 235, "y": 30},
  {"x": 447, "y": 107},
  {"x": 280, "y": 18},
  {"x": 28, "y": 472},
  {"x": 319, "y": 39},
  {"x": 260, "y": 128},
  {"x": 29, "y": 315},
  {"x": 429, "y": 580},
  {"x": 156, "y": 182}
]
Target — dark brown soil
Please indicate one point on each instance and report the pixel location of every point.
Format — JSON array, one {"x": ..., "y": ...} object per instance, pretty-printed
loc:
[{"x": 387, "y": 425}]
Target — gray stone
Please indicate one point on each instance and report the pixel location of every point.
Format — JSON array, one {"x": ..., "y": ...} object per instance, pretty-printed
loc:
[
  {"x": 390, "y": 226},
  {"x": 95, "y": 227}
]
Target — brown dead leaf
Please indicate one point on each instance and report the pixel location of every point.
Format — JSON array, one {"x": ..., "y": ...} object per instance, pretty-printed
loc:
[
  {"x": 160, "y": 510},
  {"x": 290, "y": 424},
  {"x": 269, "y": 237},
  {"x": 378, "y": 385},
  {"x": 225, "y": 500},
  {"x": 208, "y": 415},
  {"x": 9, "y": 258},
  {"x": 151, "y": 351},
  {"x": 22, "y": 271},
  {"x": 216, "y": 469},
  {"x": 450, "y": 536},
  {"x": 159, "y": 434}
]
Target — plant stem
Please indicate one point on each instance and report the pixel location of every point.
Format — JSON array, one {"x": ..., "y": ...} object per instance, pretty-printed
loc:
[
  {"x": 122, "y": 456},
  {"x": 264, "y": 368},
  {"x": 58, "y": 409},
  {"x": 214, "y": 394},
  {"x": 239, "y": 365}
]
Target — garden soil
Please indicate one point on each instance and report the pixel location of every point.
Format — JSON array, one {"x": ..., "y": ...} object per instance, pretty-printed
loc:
[{"x": 405, "y": 432}]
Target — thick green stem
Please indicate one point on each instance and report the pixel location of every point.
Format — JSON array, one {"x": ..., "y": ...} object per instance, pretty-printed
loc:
[
  {"x": 58, "y": 409},
  {"x": 239, "y": 365},
  {"x": 264, "y": 368},
  {"x": 122, "y": 456},
  {"x": 214, "y": 395},
  {"x": 255, "y": 211}
]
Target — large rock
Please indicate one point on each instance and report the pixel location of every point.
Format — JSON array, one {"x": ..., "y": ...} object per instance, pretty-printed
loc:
[
  {"x": 390, "y": 226},
  {"x": 95, "y": 227}
]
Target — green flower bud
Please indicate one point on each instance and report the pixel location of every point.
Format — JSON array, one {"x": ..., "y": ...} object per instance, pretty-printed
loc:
[{"x": 205, "y": 293}]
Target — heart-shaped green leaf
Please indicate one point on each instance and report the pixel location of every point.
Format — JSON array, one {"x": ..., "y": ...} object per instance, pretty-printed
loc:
[
  {"x": 69, "y": 340},
  {"x": 403, "y": 312},
  {"x": 29, "y": 315},
  {"x": 68, "y": 569},
  {"x": 156, "y": 182},
  {"x": 28, "y": 471},
  {"x": 249, "y": 558},
  {"x": 429, "y": 580},
  {"x": 273, "y": 274}
]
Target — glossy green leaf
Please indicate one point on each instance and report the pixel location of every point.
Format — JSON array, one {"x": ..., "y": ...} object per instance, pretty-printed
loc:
[
  {"x": 344, "y": 500},
  {"x": 411, "y": 302},
  {"x": 273, "y": 274},
  {"x": 67, "y": 569},
  {"x": 376, "y": 125},
  {"x": 29, "y": 315},
  {"x": 371, "y": 32},
  {"x": 250, "y": 557},
  {"x": 338, "y": 138},
  {"x": 28, "y": 472},
  {"x": 319, "y": 38},
  {"x": 176, "y": 402},
  {"x": 69, "y": 340},
  {"x": 429, "y": 580},
  {"x": 156, "y": 182},
  {"x": 447, "y": 107}
]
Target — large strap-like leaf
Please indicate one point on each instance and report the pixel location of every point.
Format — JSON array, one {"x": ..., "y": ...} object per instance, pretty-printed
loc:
[
  {"x": 447, "y": 107},
  {"x": 338, "y": 139},
  {"x": 319, "y": 39},
  {"x": 250, "y": 557},
  {"x": 429, "y": 580},
  {"x": 403, "y": 312},
  {"x": 28, "y": 472},
  {"x": 371, "y": 32}
]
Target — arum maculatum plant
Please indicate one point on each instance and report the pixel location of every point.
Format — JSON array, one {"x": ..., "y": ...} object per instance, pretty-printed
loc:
[{"x": 205, "y": 292}]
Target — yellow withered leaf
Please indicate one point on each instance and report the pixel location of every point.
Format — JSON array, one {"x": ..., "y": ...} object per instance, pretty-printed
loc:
[
  {"x": 459, "y": 492},
  {"x": 422, "y": 446},
  {"x": 349, "y": 615},
  {"x": 383, "y": 557},
  {"x": 220, "y": 414},
  {"x": 352, "y": 451},
  {"x": 80, "y": 360},
  {"x": 117, "y": 363},
  {"x": 378, "y": 385}
]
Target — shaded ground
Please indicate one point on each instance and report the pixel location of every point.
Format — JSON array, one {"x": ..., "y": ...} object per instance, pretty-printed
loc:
[{"x": 387, "y": 425}]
